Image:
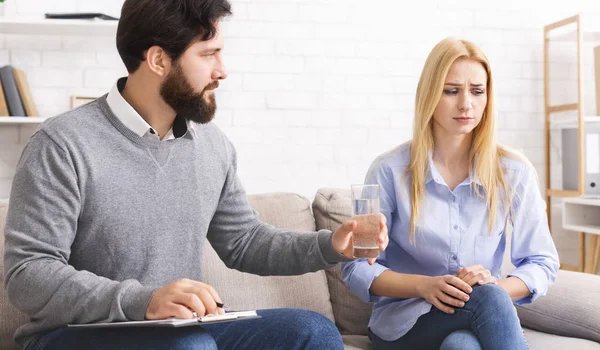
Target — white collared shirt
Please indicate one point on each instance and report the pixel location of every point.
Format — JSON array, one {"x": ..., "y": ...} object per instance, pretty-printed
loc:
[{"x": 132, "y": 119}]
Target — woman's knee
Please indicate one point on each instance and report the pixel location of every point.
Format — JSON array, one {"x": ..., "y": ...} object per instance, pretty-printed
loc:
[
  {"x": 492, "y": 293},
  {"x": 492, "y": 296},
  {"x": 461, "y": 339}
]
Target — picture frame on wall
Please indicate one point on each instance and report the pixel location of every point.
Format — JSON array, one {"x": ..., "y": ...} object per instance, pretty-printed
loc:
[{"x": 77, "y": 101}]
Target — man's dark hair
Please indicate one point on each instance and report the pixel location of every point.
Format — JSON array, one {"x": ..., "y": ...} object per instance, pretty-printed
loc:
[{"x": 171, "y": 24}]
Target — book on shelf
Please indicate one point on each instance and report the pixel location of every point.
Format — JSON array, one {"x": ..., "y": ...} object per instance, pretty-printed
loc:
[
  {"x": 11, "y": 92},
  {"x": 25, "y": 92},
  {"x": 3, "y": 106}
]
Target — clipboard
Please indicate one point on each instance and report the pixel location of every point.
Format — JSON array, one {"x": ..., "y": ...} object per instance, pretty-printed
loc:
[{"x": 174, "y": 322}]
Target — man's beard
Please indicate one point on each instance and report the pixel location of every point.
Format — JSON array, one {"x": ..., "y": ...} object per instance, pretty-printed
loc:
[{"x": 179, "y": 94}]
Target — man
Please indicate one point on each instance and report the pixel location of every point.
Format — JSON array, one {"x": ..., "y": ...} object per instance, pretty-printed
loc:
[{"x": 111, "y": 204}]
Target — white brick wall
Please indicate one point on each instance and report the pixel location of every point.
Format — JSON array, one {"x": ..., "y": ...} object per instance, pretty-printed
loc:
[{"x": 317, "y": 88}]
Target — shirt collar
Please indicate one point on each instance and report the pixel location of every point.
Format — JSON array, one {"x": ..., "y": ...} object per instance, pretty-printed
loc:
[
  {"x": 434, "y": 175},
  {"x": 432, "y": 172},
  {"x": 133, "y": 120}
]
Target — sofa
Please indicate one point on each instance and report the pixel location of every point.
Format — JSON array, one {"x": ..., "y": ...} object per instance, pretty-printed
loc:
[{"x": 567, "y": 318}]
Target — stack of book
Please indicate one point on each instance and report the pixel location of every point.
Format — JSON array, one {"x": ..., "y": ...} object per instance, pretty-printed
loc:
[{"x": 15, "y": 96}]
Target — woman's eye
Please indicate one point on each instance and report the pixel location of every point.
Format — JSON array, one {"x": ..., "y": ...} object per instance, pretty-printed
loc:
[
  {"x": 451, "y": 92},
  {"x": 478, "y": 92}
]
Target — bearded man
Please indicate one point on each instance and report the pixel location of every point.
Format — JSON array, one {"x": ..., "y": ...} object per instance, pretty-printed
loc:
[{"x": 112, "y": 203}]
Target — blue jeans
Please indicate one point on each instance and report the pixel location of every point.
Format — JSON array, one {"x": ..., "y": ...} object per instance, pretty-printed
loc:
[
  {"x": 276, "y": 329},
  {"x": 488, "y": 320}
]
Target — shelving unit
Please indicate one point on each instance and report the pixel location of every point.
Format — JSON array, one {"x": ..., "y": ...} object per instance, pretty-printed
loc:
[
  {"x": 581, "y": 35},
  {"x": 21, "y": 120},
  {"x": 43, "y": 26}
]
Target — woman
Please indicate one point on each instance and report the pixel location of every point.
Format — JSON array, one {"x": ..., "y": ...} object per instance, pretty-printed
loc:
[{"x": 447, "y": 196}]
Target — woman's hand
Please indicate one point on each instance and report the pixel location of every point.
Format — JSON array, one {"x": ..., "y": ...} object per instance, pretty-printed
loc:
[
  {"x": 444, "y": 292},
  {"x": 475, "y": 274}
]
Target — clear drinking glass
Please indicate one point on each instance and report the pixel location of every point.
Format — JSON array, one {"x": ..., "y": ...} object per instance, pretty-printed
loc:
[{"x": 365, "y": 210}]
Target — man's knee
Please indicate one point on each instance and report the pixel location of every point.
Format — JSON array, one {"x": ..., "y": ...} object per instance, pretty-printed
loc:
[
  {"x": 311, "y": 330},
  {"x": 193, "y": 338}
]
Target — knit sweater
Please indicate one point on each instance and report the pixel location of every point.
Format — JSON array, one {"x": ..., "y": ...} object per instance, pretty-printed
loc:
[{"x": 99, "y": 218}]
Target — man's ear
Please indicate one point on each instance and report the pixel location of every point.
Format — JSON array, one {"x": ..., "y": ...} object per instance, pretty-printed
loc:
[{"x": 158, "y": 61}]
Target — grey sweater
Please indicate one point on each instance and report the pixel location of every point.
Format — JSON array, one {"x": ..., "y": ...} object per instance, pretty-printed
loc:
[{"x": 100, "y": 217}]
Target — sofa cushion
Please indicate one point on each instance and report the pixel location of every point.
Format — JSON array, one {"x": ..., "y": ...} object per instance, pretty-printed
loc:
[
  {"x": 536, "y": 341},
  {"x": 10, "y": 317},
  {"x": 246, "y": 291},
  {"x": 352, "y": 342},
  {"x": 544, "y": 341},
  {"x": 571, "y": 307},
  {"x": 331, "y": 207}
]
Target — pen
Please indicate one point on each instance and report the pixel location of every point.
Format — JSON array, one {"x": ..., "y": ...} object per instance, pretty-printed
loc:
[{"x": 195, "y": 315}]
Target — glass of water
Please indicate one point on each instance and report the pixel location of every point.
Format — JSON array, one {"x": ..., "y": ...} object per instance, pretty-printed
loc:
[{"x": 365, "y": 210}]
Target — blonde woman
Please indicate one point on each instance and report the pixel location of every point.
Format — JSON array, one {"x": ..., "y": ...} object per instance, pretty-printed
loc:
[{"x": 448, "y": 195}]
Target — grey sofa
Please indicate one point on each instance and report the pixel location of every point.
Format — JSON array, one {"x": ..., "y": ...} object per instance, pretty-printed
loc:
[{"x": 567, "y": 318}]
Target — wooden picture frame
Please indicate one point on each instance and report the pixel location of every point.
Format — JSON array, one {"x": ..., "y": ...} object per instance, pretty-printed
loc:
[{"x": 77, "y": 101}]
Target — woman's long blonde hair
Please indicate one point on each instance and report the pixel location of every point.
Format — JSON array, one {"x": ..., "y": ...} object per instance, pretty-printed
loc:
[{"x": 485, "y": 153}]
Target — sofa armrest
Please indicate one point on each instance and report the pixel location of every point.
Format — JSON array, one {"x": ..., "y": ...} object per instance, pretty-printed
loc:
[{"x": 571, "y": 307}]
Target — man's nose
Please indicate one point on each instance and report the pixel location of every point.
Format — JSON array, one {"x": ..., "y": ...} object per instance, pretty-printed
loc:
[{"x": 220, "y": 73}]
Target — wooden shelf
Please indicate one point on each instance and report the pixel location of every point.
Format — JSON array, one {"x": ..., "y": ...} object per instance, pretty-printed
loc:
[
  {"x": 43, "y": 26},
  {"x": 22, "y": 120},
  {"x": 572, "y": 37},
  {"x": 584, "y": 200},
  {"x": 580, "y": 214},
  {"x": 571, "y": 123},
  {"x": 592, "y": 229},
  {"x": 561, "y": 193}
]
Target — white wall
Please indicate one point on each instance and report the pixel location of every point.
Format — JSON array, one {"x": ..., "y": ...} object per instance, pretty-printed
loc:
[{"x": 316, "y": 88}]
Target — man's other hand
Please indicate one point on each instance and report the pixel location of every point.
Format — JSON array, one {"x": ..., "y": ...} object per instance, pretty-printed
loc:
[{"x": 181, "y": 299}]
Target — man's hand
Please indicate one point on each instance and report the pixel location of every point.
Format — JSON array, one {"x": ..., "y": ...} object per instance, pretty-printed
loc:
[
  {"x": 342, "y": 238},
  {"x": 476, "y": 274},
  {"x": 446, "y": 291},
  {"x": 181, "y": 298}
]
